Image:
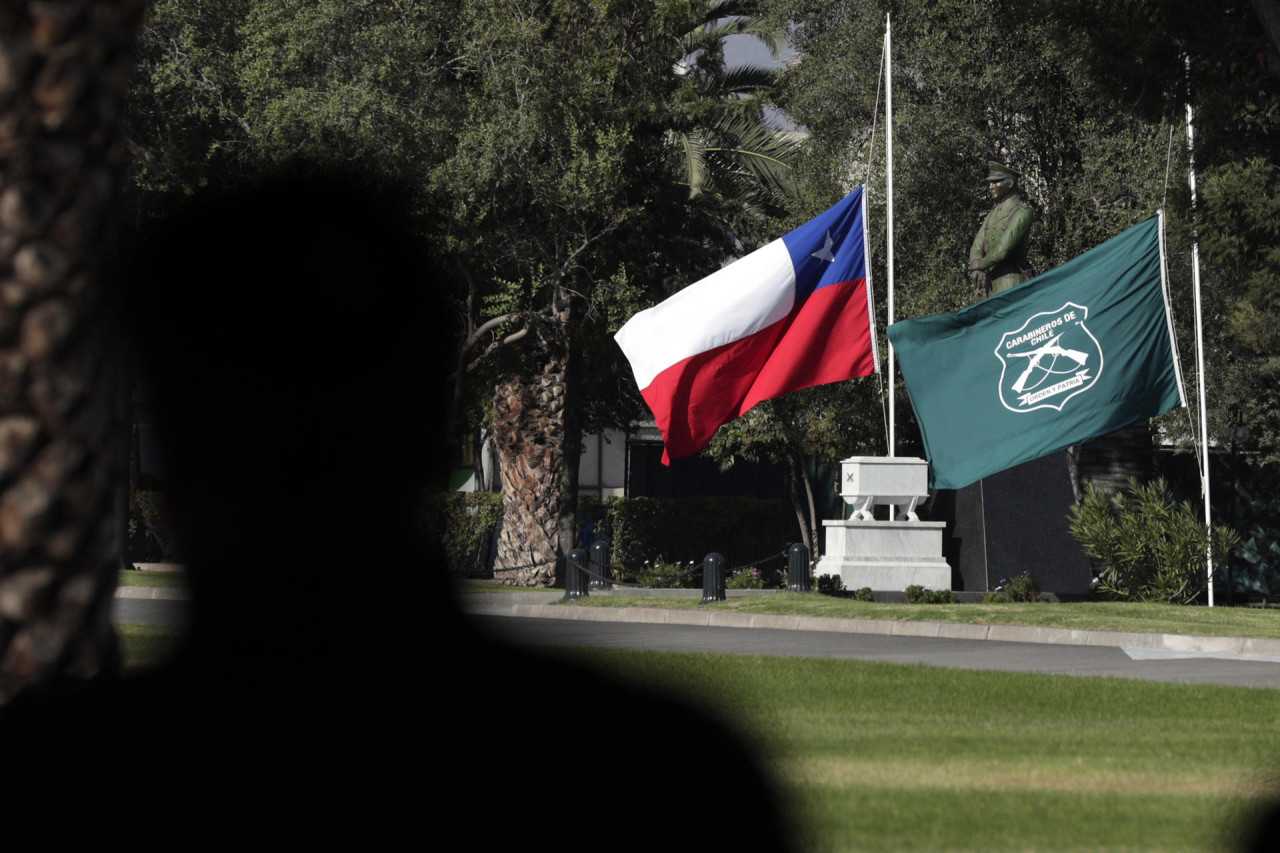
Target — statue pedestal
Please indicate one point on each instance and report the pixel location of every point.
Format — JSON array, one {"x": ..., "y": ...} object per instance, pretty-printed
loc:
[
  {"x": 1012, "y": 522},
  {"x": 885, "y": 555}
]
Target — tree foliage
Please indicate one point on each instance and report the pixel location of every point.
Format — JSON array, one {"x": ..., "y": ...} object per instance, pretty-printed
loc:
[
  {"x": 723, "y": 143},
  {"x": 535, "y": 140},
  {"x": 1152, "y": 548},
  {"x": 1151, "y": 58},
  {"x": 823, "y": 424},
  {"x": 1086, "y": 98},
  {"x": 225, "y": 91}
]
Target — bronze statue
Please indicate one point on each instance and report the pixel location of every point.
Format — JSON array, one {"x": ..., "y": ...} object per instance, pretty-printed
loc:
[{"x": 998, "y": 258}]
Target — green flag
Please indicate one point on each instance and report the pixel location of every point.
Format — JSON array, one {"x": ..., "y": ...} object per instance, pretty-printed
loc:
[{"x": 1078, "y": 352}]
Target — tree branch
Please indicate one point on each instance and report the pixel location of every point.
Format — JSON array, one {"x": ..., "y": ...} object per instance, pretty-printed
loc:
[
  {"x": 489, "y": 325},
  {"x": 489, "y": 350}
]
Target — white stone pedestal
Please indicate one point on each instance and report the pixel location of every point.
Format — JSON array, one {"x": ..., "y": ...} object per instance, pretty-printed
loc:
[{"x": 885, "y": 555}]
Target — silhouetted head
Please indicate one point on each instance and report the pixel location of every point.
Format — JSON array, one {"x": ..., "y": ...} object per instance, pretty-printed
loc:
[{"x": 295, "y": 340}]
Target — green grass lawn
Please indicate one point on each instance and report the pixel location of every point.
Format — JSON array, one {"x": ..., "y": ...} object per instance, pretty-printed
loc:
[
  {"x": 132, "y": 577},
  {"x": 143, "y": 646},
  {"x": 887, "y": 757},
  {"x": 1083, "y": 615}
]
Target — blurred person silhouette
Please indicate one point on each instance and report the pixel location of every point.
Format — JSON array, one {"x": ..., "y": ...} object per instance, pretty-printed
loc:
[{"x": 295, "y": 335}]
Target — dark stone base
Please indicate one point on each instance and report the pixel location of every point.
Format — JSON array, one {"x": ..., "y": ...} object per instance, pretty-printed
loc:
[{"x": 1012, "y": 522}]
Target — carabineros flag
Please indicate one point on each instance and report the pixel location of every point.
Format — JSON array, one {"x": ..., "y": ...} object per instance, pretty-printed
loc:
[{"x": 1078, "y": 352}]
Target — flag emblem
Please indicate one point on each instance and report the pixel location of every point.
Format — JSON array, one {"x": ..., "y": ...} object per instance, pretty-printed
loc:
[
  {"x": 1048, "y": 360},
  {"x": 1050, "y": 336}
]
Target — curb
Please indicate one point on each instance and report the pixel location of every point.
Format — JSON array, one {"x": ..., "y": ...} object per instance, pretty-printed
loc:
[
  {"x": 158, "y": 593},
  {"x": 942, "y": 630}
]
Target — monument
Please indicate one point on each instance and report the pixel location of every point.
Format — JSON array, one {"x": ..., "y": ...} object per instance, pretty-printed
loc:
[
  {"x": 1013, "y": 521},
  {"x": 885, "y": 555},
  {"x": 998, "y": 256}
]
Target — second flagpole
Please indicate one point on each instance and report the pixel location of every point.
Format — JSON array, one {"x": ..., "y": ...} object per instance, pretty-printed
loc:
[{"x": 888, "y": 147}]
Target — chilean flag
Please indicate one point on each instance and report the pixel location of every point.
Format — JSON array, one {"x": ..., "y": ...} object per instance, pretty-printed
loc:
[{"x": 794, "y": 314}]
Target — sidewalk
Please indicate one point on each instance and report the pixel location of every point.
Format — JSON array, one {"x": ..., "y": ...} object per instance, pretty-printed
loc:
[
  {"x": 539, "y": 604},
  {"x": 157, "y": 593}
]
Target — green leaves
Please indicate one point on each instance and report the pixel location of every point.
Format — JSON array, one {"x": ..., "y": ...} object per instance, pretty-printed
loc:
[
  {"x": 1154, "y": 548},
  {"x": 720, "y": 143},
  {"x": 739, "y": 158}
]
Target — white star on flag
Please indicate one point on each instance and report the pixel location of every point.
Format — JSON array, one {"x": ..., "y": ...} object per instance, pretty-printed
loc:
[{"x": 825, "y": 254}]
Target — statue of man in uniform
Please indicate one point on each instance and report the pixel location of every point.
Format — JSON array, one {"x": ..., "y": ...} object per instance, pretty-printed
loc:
[{"x": 998, "y": 258}]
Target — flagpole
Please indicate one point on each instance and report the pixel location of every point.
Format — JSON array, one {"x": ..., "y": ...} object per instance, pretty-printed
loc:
[
  {"x": 1195, "y": 284},
  {"x": 1168, "y": 312},
  {"x": 888, "y": 148}
]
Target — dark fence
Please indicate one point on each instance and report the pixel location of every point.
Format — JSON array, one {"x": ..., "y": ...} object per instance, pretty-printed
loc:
[{"x": 586, "y": 571}]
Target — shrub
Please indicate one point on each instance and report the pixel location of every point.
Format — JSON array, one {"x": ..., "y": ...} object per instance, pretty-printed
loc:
[
  {"x": 155, "y": 527},
  {"x": 917, "y": 594},
  {"x": 745, "y": 579},
  {"x": 995, "y": 598},
  {"x": 1021, "y": 587},
  {"x": 1152, "y": 546},
  {"x": 464, "y": 523},
  {"x": 676, "y": 575},
  {"x": 863, "y": 594},
  {"x": 830, "y": 584}
]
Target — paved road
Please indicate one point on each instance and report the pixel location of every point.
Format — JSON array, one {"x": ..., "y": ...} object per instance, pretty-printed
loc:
[
  {"x": 1121, "y": 661},
  {"x": 151, "y": 611},
  {"x": 1118, "y": 662}
]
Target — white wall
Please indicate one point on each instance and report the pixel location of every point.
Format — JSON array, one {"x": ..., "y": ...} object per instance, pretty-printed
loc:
[{"x": 602, "y": 471}]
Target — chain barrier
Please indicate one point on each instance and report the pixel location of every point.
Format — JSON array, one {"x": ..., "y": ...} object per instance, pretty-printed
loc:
[
  {"x": 665, "y": 579},
  {"x": 675, "y": 578},
  {"x": 755, "y": 564}
]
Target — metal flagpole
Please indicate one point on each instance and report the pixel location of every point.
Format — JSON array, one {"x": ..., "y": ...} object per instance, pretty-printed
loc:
[
  {"x": 1195, "y": 284},
  {"x": 888, "y": 149}
]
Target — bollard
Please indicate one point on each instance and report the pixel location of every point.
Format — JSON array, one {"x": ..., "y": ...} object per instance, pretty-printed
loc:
[
  {"x": 575, "y": 576},
  {"x": 599, "y": 566},
  {"x": 798, "y": 569},
  {"x": 712, "y": 578}
]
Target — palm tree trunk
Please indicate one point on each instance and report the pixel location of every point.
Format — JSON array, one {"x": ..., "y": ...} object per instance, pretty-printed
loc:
[
  {"x": 64, "y": 68},
  {"x": 531, "y": 425}
]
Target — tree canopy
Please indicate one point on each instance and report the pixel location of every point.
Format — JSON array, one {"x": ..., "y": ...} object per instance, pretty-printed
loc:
[
  {"x": 577, "y": 161},
  {"x": 1086, "y": 98},
  {"x": 537, "y": 141}
]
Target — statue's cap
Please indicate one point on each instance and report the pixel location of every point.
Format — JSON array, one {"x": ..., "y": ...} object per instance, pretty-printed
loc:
[{"x": 998, "y": 171}]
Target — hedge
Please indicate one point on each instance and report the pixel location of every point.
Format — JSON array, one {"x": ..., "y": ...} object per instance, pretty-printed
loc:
[
  {"x": 465, "y": 523},
  {"x": 744, "y": 530}
]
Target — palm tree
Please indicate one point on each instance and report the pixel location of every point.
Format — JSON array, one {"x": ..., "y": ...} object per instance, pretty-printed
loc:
[
  {"x": 726, "y": 146},
  {"x": 734, "y": 165},
  {"x": 66, "y": 66}
]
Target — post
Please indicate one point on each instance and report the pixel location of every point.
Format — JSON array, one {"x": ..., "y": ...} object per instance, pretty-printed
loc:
[
  {"x": 712, "y": 578},
  {"x": 1200, "y": 383},
  {"x": 798, "y": 569},
  {"x": 599, "y": 566},
  {"x": 575, "y": 576}
]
